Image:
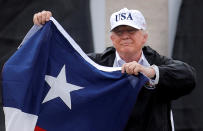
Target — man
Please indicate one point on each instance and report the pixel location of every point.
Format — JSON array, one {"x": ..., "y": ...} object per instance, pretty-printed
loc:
[{"x": 168, "y": 79}]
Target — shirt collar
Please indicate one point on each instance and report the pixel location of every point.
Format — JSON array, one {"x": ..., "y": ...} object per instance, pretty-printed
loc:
[{"x": 119, "y": 62}]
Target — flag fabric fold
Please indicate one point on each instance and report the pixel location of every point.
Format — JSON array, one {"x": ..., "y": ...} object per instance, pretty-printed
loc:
[{"x": 51, "y": 85}]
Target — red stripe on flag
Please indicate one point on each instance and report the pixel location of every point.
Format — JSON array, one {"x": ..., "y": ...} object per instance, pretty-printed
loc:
[{"x": 37, "y": 128}]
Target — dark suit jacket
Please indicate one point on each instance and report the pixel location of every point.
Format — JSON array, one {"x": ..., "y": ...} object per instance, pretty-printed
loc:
[{"x": 152, "y": 109}]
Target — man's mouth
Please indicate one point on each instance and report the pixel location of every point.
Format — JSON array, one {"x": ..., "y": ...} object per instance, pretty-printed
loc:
[{"x": 126, "y": 42}]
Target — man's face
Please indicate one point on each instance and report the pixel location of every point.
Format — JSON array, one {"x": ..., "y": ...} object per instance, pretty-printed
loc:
[{"x": 128, "y": 40}]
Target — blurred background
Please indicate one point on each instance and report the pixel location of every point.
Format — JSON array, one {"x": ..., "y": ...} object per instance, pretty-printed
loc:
[{"x": 175, "y": 29}]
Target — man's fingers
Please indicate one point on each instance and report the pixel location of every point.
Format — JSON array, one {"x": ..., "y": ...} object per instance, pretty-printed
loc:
[
  {"x": 134, "y": 68},
  {"x": 131, "y": 68},
  {"x": 48, "y": 15},
  {"x": 35, "y": 20},
  {"x": 123, "y": 69},
  {"x": 135, "y": 71},
  {"x": 39, "y": 17},
  {"x": 127, "y": 70},
  {"x": 43, "y": 16}
]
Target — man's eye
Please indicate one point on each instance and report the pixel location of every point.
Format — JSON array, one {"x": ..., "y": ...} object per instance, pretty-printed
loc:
[
  {"x": 119, "y": 32},
  {"x": 131, "y": 31}
]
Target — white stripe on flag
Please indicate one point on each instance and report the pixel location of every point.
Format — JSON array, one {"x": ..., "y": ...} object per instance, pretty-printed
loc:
[
  {"x": 80, "y": 51},
  {"x": 16, "y": 120}
]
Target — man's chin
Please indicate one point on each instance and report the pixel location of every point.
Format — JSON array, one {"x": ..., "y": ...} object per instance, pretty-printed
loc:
[{"x": 126, "y": 50}]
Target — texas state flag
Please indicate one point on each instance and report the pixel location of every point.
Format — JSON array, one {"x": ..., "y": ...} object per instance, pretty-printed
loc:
[{"x": 50, "y": 84}]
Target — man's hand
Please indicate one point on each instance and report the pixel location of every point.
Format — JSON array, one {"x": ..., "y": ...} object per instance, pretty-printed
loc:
[
  {"x": 135, "y": 68},
  {"x": 41, "y": 17}
]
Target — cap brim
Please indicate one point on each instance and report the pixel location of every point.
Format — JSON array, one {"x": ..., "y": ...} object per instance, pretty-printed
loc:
[{"x": 136, "y": 27}]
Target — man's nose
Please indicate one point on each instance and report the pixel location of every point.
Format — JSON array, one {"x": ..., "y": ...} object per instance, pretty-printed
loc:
[{"x": 125, "y": 35}]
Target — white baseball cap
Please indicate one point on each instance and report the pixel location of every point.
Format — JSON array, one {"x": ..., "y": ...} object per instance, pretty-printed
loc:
[{"x": 133, "y": 18}]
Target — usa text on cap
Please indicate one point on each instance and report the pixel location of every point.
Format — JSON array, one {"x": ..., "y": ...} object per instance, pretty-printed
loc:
[{"x": 133, "y": 18}]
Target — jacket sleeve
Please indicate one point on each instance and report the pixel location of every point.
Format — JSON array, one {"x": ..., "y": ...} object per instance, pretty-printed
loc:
[{"x": 176, "y": 78}]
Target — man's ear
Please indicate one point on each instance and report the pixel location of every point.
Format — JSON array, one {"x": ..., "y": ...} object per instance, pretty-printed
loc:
[
  {"x": 112, "y": 37},
  {"x": 145, "y": 37}
]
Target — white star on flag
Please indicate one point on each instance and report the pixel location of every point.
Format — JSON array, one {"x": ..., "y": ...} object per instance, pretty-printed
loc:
[{"x": 60, "y": 88}]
